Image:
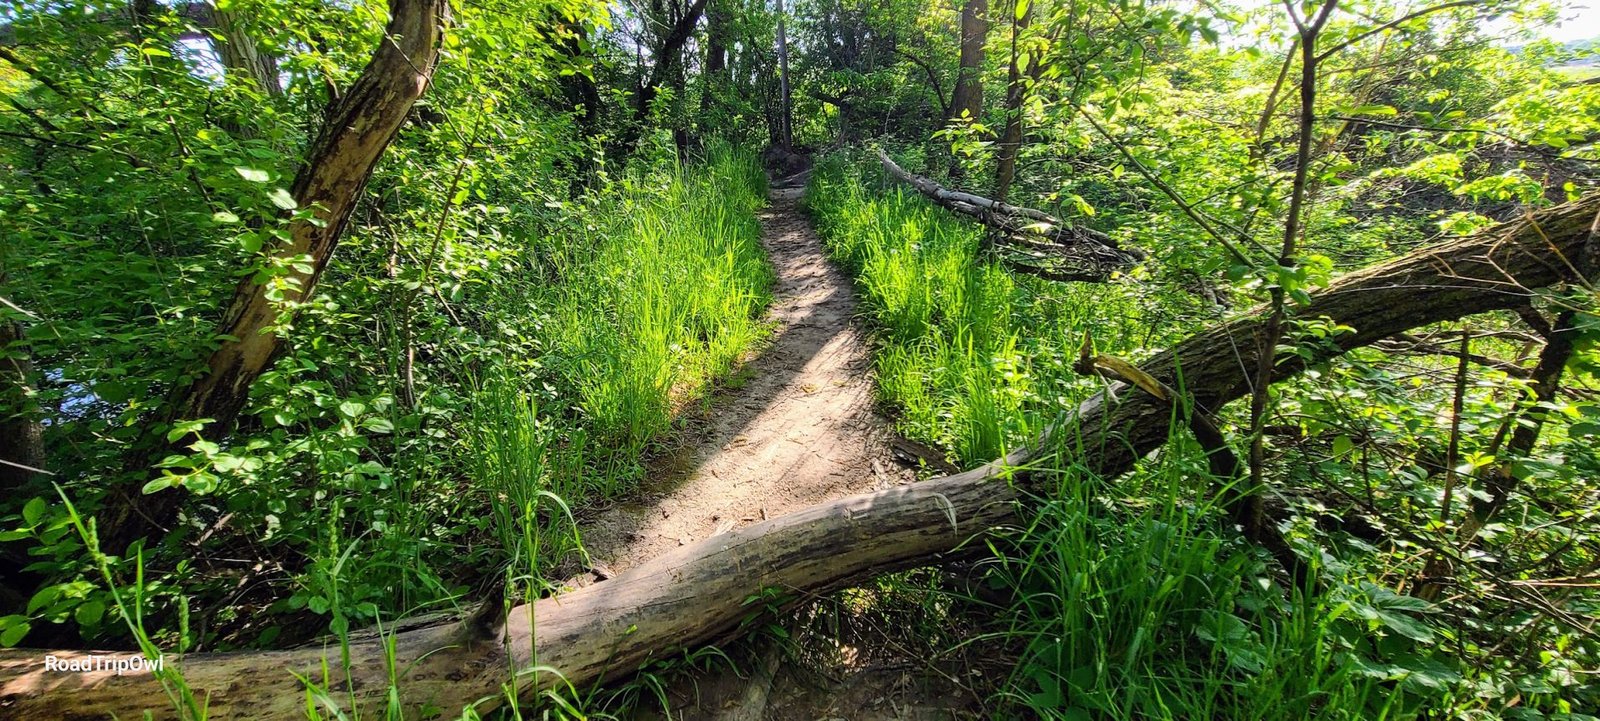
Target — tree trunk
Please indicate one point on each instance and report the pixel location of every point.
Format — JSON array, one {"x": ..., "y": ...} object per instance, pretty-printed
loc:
[
  {"x": 359, "y": 128},
  {"x": 786, "y": 113},
  {"x": 21, "y": 459},
  {"x": 967, "y": 102},
  {"x": 1016, "y": 91},
  {"x": 1500, "y": 479},
  {"x": 667, "y": 58},
  {"x": 242, "y": 56},
  {"x": 21, "y": 435},
  {"x": 715, "y": 78},
  {"x": 697, "y": 593}
]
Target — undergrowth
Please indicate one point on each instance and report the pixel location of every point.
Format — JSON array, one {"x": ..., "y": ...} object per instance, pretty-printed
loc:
[
  {"x": 586, "y": 340},
  {"x": 1132, "y": 600}
]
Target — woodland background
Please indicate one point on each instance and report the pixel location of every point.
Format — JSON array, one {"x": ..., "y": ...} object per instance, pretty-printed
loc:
[{"x": 330, "y": 314}]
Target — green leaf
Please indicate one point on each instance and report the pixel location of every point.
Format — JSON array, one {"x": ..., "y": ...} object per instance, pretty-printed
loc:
[
  {"x": 225, "y": 217},
  {"x": 1587, "y": 428},
  {"x": 1389, "y": 610},
  {"x": 1405, "y": 626},
  {"x": 378, "y": 425},
  {"x": 15, "y": 628},
  {"x": 33, "y": 512},
  {"x": 1380, "y": 110},
  {"x": 183, "y": 428},
  {"x": 253, "y": 175},
  {"x": 352, "y": 409},
  {"x": 89, "y": 613},
  {"x": 282, "y": 199},
  {"x": 43, "y": 598}
]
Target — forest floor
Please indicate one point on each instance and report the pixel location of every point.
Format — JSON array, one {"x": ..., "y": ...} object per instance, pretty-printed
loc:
[{"x": 796, "y": 426}]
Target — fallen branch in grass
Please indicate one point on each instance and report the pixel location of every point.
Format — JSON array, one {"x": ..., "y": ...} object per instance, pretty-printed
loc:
[
  {"x": 1028, "y": 240},
  {"x": 699, "y": 593}
]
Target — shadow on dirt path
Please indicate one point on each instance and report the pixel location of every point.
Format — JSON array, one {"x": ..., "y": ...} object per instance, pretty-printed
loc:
[
  {"x": 798, "y": 428},
  {"x": 795, "y": 428}
]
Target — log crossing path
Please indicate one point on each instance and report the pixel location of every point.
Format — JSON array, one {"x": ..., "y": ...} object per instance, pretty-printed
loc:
[{"x": 795, "y": 427}]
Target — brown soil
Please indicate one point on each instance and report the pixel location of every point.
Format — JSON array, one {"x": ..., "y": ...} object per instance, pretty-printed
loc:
[
  {"x": 796, "y": 427},
  {"x": 799, "y": 429}
]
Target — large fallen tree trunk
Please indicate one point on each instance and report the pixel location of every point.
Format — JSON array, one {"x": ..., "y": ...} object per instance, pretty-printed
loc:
[
  {"x": 699, "y": 593},
  {"x": 1029, "y": 241}
]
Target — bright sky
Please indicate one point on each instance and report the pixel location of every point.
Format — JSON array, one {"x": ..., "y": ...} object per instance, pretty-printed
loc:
[{"x": 1580, "y": 21}]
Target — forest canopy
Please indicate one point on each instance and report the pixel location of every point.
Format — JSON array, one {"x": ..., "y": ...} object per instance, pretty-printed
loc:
[{"x": 1165, "y": 360}]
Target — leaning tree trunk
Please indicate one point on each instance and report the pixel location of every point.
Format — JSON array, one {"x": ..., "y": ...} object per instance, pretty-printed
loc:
[
  {"x": 697, "y": 593},
  {"x": 358, "y": 129},
  {"x": 667, "y": 58}
]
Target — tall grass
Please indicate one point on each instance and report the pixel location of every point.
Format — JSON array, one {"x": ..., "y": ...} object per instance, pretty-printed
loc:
[
  {"x": 1149, "y": 610},
  {"x": 1126, "y": 601},
  {"x": 660, "y": 294},
  {"x": 971, "y": 357},
  {"x": 600, "y": 336}
]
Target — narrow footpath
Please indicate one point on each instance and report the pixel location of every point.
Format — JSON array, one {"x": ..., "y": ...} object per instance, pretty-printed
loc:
[{"x": 795, "y": 427}]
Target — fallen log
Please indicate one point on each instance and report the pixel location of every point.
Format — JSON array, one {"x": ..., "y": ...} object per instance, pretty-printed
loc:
[
  {"x": 700, "y": 592},
  {"x": 1029, "y": 241}
]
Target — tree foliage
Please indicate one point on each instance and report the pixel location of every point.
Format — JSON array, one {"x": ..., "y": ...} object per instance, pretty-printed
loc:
[{"x": 484, "y": 255}]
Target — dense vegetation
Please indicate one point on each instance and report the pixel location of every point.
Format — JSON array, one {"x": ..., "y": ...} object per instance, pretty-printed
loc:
[{"x": 317, "y": 316}]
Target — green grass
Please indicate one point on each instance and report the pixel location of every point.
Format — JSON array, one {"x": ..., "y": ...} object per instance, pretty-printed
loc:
[
  {"x": 660, "y": 298},
  {"x": 971, "y": 357},
  {"x": 1140, "y": 606},
  {"x": 606, "y": 331},
  {"x": 1127, "y": 601}
]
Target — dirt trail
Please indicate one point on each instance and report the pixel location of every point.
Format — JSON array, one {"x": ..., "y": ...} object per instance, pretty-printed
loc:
[
  {"x": 796, "y": 427},
  {"x": 799, "y": 430}
]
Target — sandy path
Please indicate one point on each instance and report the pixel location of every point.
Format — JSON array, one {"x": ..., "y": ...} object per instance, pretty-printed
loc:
[{"x": 800, "y": 430}]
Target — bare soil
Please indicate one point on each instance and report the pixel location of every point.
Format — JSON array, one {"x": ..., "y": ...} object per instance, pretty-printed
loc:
[
  {"x": 799, "y": 427},
  {"x": 795, "y": 427}
]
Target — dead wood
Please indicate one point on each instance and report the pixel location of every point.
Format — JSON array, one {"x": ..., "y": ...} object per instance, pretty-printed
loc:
[
  {"x": 1028, "y": 240},
  {"x": 698, "y": 593}
]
